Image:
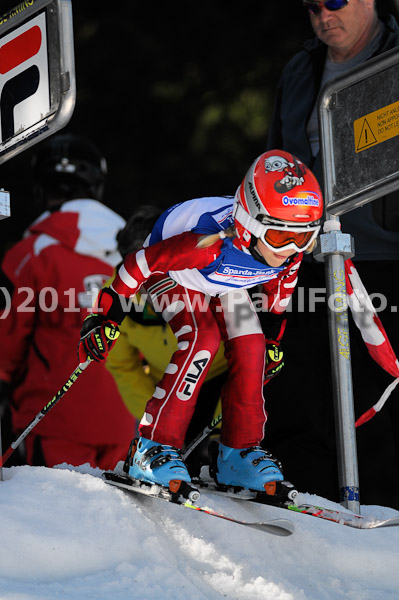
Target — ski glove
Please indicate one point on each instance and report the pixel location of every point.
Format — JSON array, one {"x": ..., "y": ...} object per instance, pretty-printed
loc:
[
  {"x": 97, "y": 336},
  {"x": 274, "y": 359}
]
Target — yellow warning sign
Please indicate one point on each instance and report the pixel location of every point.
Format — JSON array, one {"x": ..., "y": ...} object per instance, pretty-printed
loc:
[{"x": 376, "y": 127}]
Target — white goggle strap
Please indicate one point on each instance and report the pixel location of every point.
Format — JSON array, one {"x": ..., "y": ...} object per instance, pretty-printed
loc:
[{"x": 248, "y": 222}]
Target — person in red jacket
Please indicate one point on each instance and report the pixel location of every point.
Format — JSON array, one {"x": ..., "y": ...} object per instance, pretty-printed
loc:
[{"x": 55, "y": 273}]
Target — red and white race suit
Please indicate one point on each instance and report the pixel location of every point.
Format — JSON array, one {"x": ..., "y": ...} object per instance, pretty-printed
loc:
[{"x": 203, "y": 295}]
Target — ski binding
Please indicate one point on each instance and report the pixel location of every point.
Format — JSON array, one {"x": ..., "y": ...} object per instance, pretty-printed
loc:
[{"x": 183, "y": 494}]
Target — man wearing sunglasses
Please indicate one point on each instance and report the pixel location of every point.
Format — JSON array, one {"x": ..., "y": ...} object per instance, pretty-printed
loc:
[{"x": 347, "y": 33}]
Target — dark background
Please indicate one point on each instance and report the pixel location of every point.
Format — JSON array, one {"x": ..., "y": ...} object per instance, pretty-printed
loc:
[{"x": 177, "y": 95}]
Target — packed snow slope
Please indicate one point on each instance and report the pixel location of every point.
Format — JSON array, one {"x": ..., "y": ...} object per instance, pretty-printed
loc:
[{"x": 66, "y": 534}]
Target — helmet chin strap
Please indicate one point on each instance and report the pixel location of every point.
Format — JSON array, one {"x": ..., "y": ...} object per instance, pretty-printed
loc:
[{"x": 256, "y": 254}]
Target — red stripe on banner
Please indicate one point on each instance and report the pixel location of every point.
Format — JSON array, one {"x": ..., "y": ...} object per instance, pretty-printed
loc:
[
  {"x": 367, "y": 416},
  {"x": 20, "y": 49}
]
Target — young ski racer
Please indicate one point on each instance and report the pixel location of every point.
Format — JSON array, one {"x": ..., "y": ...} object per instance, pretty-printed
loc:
[
  {"x": 197, "y": 265},
  {"x": 146, "y": 344}
]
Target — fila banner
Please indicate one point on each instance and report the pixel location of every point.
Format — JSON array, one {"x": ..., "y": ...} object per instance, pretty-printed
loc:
[
  {"x": 37, "y": 77},
  {"x": 24, "y": 86}
]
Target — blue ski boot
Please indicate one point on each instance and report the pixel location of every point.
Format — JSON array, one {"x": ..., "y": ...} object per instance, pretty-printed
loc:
[
  {"x": 157, "y": 463},
  {"x": 251, "y": 468}
]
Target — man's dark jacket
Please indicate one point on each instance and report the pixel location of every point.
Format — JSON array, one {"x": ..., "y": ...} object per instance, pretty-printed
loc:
[{"x": 375, "y": 226}]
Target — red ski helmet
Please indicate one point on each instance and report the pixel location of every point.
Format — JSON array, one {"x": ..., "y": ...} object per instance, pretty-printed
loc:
[{"x": 279, "y": 202}]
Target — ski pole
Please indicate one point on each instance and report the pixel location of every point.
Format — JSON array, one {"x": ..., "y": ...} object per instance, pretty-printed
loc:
[
  {"x": 67, "y": 385},
  {"x": 201, "y": 436}
]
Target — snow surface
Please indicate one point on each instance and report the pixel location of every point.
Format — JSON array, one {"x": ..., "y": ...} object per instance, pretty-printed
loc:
[{"x": 65, "y": 534}]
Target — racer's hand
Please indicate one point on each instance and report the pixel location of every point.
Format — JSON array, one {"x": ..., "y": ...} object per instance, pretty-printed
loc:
[
  {"x": 97, "y": 337},
  {"x": 274, "y": 359}
]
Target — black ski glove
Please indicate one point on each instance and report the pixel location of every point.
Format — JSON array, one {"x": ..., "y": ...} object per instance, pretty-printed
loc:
[
  {"x": 274, "y": 359},
  {"x": 97, "y": 336}
]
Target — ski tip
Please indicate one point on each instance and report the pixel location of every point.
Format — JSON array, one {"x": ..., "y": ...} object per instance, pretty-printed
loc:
[
  {"x": 392, "y": 522},
  {"x": 281, "y": 527}
]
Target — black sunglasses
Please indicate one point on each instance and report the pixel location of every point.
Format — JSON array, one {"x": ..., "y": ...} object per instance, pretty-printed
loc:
[{"x": 315, "y": 7}]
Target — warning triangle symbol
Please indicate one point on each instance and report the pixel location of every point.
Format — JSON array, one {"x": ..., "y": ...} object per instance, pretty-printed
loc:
[{"x": 367, "y": 137}]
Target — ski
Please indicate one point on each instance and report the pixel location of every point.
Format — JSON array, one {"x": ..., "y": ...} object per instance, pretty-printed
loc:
[
  {"x": 186, "y": 497},
  {"x": 340, "y": 517}
]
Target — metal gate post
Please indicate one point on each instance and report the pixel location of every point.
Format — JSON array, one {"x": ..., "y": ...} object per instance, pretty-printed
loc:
[{"x": 334, "y": 247}]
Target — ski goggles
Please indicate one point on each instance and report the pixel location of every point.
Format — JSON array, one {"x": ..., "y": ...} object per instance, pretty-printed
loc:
[
  {"x": 315, "y": 7},
  {"x": 281, "y": 238},
  {"x": 278, "y": 237}
]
